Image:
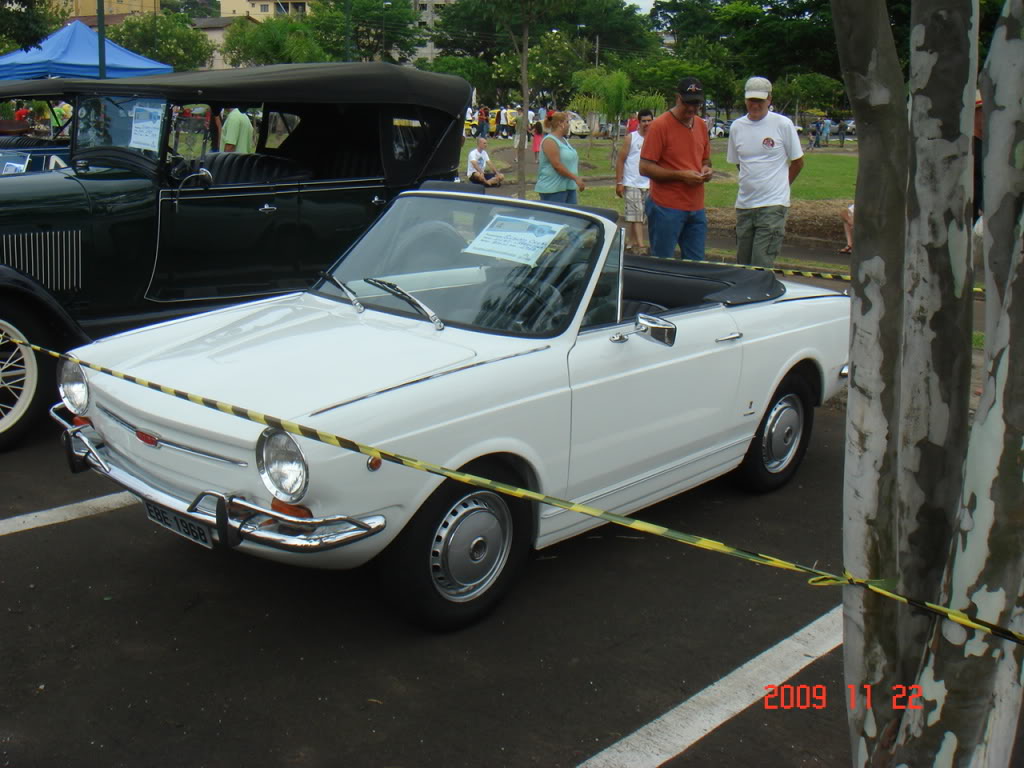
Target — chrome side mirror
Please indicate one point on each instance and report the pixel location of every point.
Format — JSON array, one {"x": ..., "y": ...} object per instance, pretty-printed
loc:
[{"x": 656, "y": 329}]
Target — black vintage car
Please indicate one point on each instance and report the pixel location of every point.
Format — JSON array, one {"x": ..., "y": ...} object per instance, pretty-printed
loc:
[{"x": 150, "y": 222}]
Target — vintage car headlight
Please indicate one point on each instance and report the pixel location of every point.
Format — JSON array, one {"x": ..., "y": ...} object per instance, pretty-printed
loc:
[
  {"x": 281, "y": 465},
  {"x": 74, "y": 389}
]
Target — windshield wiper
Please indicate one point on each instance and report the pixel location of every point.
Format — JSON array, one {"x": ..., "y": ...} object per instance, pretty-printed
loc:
[
  {"x": 395, "y": 290},
  {"x": 344, "y": 289}
]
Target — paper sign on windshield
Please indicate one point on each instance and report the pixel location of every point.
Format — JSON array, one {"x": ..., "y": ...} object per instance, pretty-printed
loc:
[
  {"x": 515, "y": 239},
  {"x": 146, "y": 125}
]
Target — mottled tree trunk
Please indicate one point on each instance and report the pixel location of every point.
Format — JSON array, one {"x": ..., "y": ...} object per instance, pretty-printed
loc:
[
  {"x": 875, "y": 87},
  {"x": 972, "y": 681},
  {"x": 927, "y": 502},
  {"x": 938, "y": 286}
]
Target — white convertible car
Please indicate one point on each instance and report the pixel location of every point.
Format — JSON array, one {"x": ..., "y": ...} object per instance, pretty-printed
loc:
[{"x": 508, "y": 339}]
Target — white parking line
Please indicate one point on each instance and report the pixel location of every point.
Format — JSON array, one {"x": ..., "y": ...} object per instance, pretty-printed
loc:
[
  {"x": 66, "y": 513},
  {"x": 680, "y": 728}
]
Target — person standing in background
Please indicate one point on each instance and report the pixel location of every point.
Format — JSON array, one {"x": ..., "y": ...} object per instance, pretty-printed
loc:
[
  {"x": 558, "y": 177},
  {"x": 764, "y": 145},
  {"x": 676, "y": 157},
  {"x": 631, "y": 186},
  {"x": 236, "y": 133}
]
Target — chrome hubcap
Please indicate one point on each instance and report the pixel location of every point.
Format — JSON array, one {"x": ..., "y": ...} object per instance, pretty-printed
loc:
[
  {"x": 783, "y": 431},
  {"x": 19, "y": 374},
  {"x": 471, "y": 546}
]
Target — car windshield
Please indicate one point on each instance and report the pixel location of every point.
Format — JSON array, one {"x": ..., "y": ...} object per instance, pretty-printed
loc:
[
  {"x": 493, "y": 266},
  {"x": 130, "y": 123}
]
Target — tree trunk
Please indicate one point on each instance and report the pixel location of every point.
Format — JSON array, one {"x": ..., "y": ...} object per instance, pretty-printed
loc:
[
  {"x": 524, "y": 84},
  {"x": 938, "y": 286},
  {"x": 871, "y": 70},
  {"x": 971, "y": 680},
  {"x": 925, "y": 500}
]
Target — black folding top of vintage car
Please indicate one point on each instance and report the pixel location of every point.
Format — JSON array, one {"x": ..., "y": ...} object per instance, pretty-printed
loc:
[
  {"x": 334, "y": 82},
  {"x": 739, "y": 285}
]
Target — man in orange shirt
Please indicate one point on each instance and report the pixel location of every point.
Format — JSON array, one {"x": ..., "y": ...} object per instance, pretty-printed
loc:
[{"x": 676, "y": 157}]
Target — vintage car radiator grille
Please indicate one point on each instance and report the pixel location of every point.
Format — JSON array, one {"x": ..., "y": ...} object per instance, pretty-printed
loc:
[{"x": 52, "y": 258}]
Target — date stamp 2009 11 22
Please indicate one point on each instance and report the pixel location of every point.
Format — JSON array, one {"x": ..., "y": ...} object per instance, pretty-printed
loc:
[{"x": 816, "y": 696}]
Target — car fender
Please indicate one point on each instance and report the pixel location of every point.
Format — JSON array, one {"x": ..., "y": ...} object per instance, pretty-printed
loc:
[{"x": 65, "y": 333}]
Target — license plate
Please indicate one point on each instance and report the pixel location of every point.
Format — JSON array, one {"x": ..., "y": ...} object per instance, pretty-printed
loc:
[{"x": 181, "y": 525}]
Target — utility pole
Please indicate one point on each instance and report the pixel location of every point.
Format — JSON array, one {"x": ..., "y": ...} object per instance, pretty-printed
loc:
[{"x": 101, "y": 37}]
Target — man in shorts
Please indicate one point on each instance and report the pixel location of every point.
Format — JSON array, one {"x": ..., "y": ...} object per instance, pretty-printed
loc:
[
  {"x": 477, "y": 167},
  {"x": 633, "y": 187}
]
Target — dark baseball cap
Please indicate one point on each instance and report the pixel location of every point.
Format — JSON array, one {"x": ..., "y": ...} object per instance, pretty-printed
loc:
[{"x": 691, "y": 90}]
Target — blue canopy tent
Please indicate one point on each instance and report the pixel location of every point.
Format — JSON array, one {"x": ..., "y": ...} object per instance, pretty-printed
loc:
[{"x": 73, "y": 51}]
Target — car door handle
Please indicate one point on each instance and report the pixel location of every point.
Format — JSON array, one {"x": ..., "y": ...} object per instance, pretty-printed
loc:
[
  {"x": 268, "y": 208},
  {"x": 730, "y": 337},
  {"x": 378, "y": 200}
]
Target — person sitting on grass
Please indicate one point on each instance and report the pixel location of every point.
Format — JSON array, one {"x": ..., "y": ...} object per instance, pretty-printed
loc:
[{"x": 479, "y": 161}]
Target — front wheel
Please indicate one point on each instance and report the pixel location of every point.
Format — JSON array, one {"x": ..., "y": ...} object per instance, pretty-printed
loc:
[
  {"x": 25, "y": 377},
  {"x": 781, "y": 439},
  {"x": 459, "y": 555}
]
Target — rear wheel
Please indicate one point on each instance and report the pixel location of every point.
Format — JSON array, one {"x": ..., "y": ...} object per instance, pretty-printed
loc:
[
  {"x": 26, "y": 378},
  {"x": 781, "y": 439},
  {"x": 459, "y": 555}
]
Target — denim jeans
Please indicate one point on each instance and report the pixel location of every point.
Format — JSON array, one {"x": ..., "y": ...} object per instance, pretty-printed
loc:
[
  {"x": 565, "y": 196},
  {"x": 668, "y": 226}
]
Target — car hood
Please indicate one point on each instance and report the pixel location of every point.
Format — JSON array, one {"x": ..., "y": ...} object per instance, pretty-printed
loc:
[{"x": 292, "y": 355}]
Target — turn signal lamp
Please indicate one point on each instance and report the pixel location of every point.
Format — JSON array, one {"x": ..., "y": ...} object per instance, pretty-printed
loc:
[{"x": 294, "y": 510}]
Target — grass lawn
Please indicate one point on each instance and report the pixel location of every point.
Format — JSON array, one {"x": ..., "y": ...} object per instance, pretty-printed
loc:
[{"x": 826, "y": 176}]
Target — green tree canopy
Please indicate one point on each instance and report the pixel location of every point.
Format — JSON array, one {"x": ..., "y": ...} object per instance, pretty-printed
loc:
[
  {"x": 165, "y": 37},
  {"x": 477, "y": 72},
  {"x": 390, "y": 26},
  {"x": 194, "y": 9},
  {"x": 282, "y": 40},
  {"x": 23, "y": 23}
]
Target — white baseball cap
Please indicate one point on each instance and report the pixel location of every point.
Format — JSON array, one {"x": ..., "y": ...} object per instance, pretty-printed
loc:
[{"x": 757, "y": 88}]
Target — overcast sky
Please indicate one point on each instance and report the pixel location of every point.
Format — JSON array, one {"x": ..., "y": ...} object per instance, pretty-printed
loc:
[{"x": 644, "y": 5}]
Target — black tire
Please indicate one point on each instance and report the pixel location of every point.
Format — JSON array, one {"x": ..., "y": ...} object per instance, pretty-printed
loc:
[
  {"x": 781, "y": 439},
  {"x": 26, "y": 377},
  {"x": 459, "y": 555}
]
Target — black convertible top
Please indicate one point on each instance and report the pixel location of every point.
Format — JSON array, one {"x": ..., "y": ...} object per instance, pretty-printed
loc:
[
  {"x": 337, "y": 83},
  {"x": 741, "y": 286}
]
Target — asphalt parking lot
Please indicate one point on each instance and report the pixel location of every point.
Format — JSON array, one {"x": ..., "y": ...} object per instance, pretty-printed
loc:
[{"x": 124, "y": 645}]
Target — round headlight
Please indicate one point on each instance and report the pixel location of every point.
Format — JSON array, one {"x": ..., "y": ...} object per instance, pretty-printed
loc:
[
  {"x": 281, "y": 465},
  {"x": 74, "y": 389}
]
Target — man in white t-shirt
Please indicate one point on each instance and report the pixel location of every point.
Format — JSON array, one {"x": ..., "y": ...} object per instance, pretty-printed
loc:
[
  {"x": 476, "y": 168},
  {"x": 766, "y": 148}
]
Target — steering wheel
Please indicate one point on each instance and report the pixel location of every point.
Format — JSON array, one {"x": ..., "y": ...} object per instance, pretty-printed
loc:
[{"x": 536, "y": 306}]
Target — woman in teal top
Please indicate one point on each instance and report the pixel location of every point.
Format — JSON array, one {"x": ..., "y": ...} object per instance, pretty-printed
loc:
[{"x": 557, "y": 179}]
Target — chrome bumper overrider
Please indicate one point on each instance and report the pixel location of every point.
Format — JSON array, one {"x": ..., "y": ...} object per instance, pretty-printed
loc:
[{"x": 233, "y": 519}]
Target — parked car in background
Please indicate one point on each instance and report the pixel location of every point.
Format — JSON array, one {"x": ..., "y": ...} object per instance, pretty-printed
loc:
[
  {"x": 718, "y": 129},
  {"x": 577, "y": 125},
  {"x": 150, "y": 222},
  {"x": 851, "y": 127},
  {"x": 505, "y": 338}
]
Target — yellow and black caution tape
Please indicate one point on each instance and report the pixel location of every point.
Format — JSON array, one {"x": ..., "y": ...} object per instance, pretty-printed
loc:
[
  {"x": 819, "y": 577},
  {"x": 805, "y": 273}
]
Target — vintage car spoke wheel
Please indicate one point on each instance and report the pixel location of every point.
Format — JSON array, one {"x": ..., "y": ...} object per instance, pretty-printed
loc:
[
  {"x": 781, "y": 439},
  {"x": 458, "y": 556},
  {"x": 23, "y": 375}
]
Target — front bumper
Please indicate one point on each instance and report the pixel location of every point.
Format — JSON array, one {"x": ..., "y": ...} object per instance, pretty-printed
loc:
[{"x": 233, "y": 519}]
